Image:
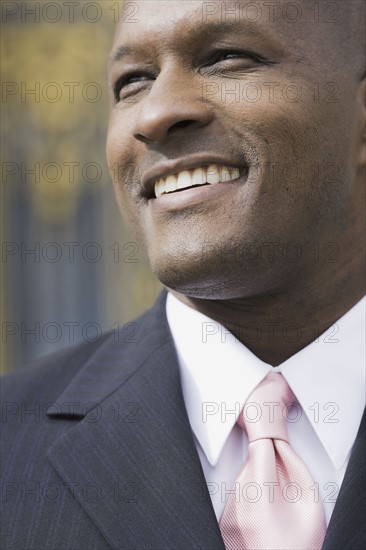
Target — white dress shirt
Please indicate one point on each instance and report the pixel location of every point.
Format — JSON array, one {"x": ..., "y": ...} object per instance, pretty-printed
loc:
[{"x": 218, "y": 373}]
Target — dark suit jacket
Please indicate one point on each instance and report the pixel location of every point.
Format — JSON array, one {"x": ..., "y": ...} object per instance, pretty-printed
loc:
[{"x": 98, "y": 453}]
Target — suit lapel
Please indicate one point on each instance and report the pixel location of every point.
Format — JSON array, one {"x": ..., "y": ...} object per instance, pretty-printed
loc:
[
  {"x": 131, "y": 461},
  {"x": 347, "y": 525}
]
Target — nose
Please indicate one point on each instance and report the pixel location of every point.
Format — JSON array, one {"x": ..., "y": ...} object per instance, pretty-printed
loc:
[{"x": 173, "y": 105}]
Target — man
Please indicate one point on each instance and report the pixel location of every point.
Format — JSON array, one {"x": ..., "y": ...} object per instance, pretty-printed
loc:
[{"x": 245, "y": 123}]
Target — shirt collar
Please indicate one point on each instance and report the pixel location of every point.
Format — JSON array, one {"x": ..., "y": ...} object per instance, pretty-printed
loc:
[
  {"x": 218, "y": 373},
  {"x": 328, "y": 379}
]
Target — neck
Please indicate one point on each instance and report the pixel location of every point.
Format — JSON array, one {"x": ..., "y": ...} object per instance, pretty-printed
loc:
[{"x": 276, "y": 326}]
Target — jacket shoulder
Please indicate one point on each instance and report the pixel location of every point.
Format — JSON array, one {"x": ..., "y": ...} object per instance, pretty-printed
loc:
[
  {"x": 50, "y": 374},
  {"x": 60, "y": 367}
]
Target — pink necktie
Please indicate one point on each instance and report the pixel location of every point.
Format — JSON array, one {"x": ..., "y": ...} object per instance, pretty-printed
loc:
[{"x": 273, "y": 505}]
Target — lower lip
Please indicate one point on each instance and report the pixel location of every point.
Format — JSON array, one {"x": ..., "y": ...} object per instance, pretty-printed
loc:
[{"x": 194, "y": 195}]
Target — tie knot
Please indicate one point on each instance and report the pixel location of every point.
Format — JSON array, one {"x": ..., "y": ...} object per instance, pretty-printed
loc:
[{"x": 265, "y": 412}]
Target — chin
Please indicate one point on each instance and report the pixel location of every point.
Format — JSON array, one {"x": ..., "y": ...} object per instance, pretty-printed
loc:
[{"x": 215, "y": 280}]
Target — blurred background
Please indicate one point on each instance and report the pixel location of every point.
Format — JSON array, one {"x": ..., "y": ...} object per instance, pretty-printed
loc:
[{"x": 69, "y": 269}]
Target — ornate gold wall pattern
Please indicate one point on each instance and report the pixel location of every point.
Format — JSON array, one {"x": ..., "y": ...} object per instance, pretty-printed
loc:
[
  {"x": 55, "y": 87},
  {"x": 55, "y": 184}
]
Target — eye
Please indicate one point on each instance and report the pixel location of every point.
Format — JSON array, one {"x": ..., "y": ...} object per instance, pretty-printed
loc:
[
  {"x": 230, "y": 58},
  {"x": 229, "y": 55},
  {"x": 130, "y": 84}
]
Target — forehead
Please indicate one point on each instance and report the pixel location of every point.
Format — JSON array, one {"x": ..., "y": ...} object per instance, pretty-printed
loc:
[
  {"x": 303, "y": 28},
  {"x": 161, "y": 15},
  {"x": 167, "y": 21},
  {"x": 164, "y": 18}
]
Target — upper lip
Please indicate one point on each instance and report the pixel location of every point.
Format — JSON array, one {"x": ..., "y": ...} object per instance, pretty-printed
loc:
[{"x": 165, "y": 169}]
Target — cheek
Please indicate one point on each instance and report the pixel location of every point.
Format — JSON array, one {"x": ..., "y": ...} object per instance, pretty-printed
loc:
[
  {"x": 297, "y": 138},
  {"x": 117, "y": 141},
  {"x": 293, "y": 178},
  {"x": 118, "y": 155}
]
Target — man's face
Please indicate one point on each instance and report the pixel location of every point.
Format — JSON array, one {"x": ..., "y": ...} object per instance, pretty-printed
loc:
[{"x": 254, "y": 96}]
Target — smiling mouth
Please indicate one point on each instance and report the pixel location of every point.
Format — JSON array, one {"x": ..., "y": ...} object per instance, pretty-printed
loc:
[{"x": 203, "y": 175}]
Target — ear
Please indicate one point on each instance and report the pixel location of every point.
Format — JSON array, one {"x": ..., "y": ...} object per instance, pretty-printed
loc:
[{"x": 363, "y": 119}]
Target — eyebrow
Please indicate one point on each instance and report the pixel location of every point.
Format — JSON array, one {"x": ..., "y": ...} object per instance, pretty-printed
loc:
[
  {"x": 249, "y": 27},
  {"x": 120, "y": 53},
  {"x": 246, "y": 27}
]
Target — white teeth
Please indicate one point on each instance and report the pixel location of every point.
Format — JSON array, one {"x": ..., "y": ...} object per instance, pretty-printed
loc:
[
  {"x": 224, "y": 174},
  {"x": 184, "y": 179},
  {"x": 198, "y": 177},
  {"x": 170, "y": 184},
  {"x": 159, "y": 187},
  {"x": 211, "y": 174},
  {"x": 235, "y": 173}
]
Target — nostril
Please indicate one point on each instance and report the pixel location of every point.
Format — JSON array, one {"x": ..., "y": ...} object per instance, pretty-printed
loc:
[
  {"x": 181, "y": 124},
  {"x": 143, "y": 138},
  {"x": 146, "y": 138}
]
